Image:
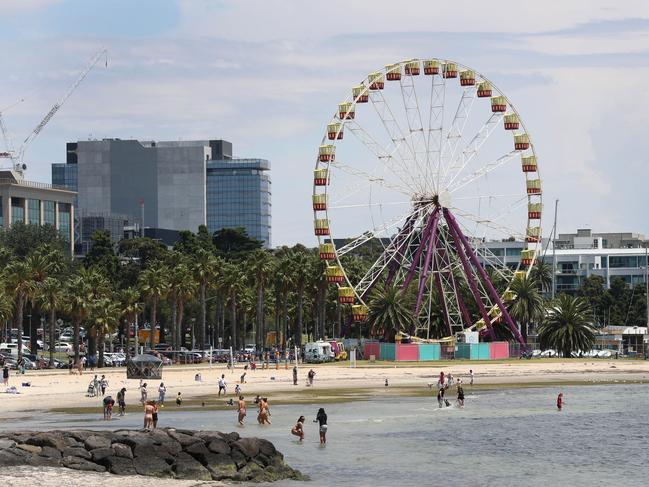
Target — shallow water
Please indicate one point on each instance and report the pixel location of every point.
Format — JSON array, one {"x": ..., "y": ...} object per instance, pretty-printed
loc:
[{"x": 508, "y": 437}]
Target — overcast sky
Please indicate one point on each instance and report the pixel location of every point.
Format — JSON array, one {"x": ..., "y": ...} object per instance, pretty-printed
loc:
[{"x": 267, "y": 75}]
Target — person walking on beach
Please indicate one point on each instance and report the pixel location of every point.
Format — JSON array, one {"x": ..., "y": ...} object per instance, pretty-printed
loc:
[
  {"x": 295, "y": 375},
  {"x": 471, "y": 376},
  {"x": 321, "y": 419},
  {"x": 95, "y": 385},
  {"x": 310, "y": 376},
  {"x": 162, "y": 390},
  {"x": 148, "y": 415},
  {"x": 109, "y": 402},
  {"x": 103, "y": 383},
  {"x": 243, "y": 378},
  {"x": 121, "y": 401},
  {"x": 222, "y": 385},
  {"x": 179, "y": 399},
  {"x": 460, "y": 395},
  {"x": 560, "y": 402},
  {"x": 5, "y": 376},
  {"x": 298, "y": 429},
  {"x": 242, "y": 410},
  {"x": 143, "y": 394}
]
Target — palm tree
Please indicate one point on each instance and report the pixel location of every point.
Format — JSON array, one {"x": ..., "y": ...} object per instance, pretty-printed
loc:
[
  {"x": 50, "y": 297},
  {"x": 20, "y": 282},
  {"x": 234, "y": 285},
  {"x": 528, "y": 306},
  {"x": 300, "y": 272},
  {"x": 541, "y": 274},
  {"x": 178, "y": 275},
  {"x": 567, "y": 326},
  {"x": 130, "y": 307},
  {"x": 260, "y": 264},
  {"x": 205, "y": 269},
  {"x": 185, "y": 291},
  {"x": 78, "y": 299},
  {"x": 154, "y": 286},
  {"x": 389, "y": 311},
  {"x": 105, "y": 315},
  {"x": 282, "y": 284}
]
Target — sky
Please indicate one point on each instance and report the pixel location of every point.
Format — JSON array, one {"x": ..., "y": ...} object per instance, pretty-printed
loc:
[{"x": 267, "y": 75}]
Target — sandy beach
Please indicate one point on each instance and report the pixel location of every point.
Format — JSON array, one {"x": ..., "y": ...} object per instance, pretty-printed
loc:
[{"x": 61, "y": 391}]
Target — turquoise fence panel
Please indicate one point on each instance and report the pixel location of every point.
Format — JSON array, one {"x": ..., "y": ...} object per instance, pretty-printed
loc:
[
  {"x": 463, "y": 351},
  {"x": 429, "y": 351},
  {"x": 483, "y": 351},
  {"x": 387, "y": 351}
]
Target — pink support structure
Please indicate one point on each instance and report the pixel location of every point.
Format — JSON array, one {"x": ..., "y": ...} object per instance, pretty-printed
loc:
[
  {"x": 483, "y": 274},
  {"x": 460, "y": 300},
  {"x": 423, "y": 275},
  {"x": 425, "y": 235},
  {"x": 469, "y": 273}
]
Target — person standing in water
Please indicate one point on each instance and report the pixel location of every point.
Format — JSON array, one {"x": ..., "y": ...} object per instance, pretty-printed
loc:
[
  {"x": 460, "y": 394},
  {"x": 143, "y": 393},
  {"x": 148, "y": 415},
  {"x": 560, "y": 402},
  {"x": 321, "y": 419},
  {"x": 471, "y": 376},
  {"x": 242, "y": 410},
  {"x": 162, "y": 391},
  {"x": 298, "y": 429},
  {"x": 295, "y": 375},
  {"x": 222, "y": 385},
  {"x": 121, "y": 401}
]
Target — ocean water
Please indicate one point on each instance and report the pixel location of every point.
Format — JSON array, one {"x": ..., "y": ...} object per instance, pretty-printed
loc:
[{"x": 503, "y": 438}]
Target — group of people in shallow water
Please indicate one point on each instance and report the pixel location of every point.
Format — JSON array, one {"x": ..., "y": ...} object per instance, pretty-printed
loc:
[
  {"x": 321, "y": 419},
  {"x": 444, "y": 383}
]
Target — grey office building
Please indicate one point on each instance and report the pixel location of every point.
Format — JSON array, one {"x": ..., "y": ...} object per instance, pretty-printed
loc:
[{"x": 179, "y": 185}]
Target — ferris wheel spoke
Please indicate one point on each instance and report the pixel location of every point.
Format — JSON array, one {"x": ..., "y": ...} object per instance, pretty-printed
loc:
[
  {"x": 489, "y": 197},
  {"x": 456, "y": 129},
  {"x": 372, "y": 179},
  {"x": 505, "y": 230},
  {"x": 473, "y": 147},
  {"x": 415, "y": 124},
  {"x": 402, "y": 147},
  {"x": 436, "y": 124},
  {"x": 365, "y": 205},
  {"x": 484, "y": 170},
  {"x": 382, "y": 155}
]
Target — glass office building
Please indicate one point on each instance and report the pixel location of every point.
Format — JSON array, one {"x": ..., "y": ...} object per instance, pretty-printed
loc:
[{"x": 239, "y": 196}]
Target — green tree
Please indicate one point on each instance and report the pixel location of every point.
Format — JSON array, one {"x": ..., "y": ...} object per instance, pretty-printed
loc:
[
  {"x": 20, "y": 239},
  {"x": 105, "y": 314},
  {"x": 143, "y": 250},
  {"x": 182, "y": 287},
  {"x": 50, "y": 297},
  {"x": 234, "y": 240},
  {"x": 102, "y": 253},
  {"x": 130, "y": 306},
  {"x": 154, "y": 286},
  {"x": 205, "y": 268},
  {"x": 389, "y": 311},
  {"x": 527, "y": 307},
  {"x": 541, "y": 273},
  {"x": 185, "y": 292},
  {"x": 78, "y": 299},
  {"x": 234, "y": 285},
  {"x": 260, "y": 265},
  {"x": 593, "y": 290},
  {"x": 300, "y": 272},
  {"x": 567, "y": 326},
  {"x": 19, "y": 280}
]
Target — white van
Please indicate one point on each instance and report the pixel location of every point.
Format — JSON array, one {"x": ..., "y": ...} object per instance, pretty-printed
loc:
[
  {"x": 320, "y": 351},
  {"x": 12, "y": 349}
]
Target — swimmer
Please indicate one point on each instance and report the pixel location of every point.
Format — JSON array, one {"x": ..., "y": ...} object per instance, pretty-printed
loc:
[
  {"x": 264, "y": 411},
  {"x": 298, "y": 429},
  {"x": 242, "y": 410},
  {"x": 386, "y": 382},
  {"x": 560, "y": 402}
]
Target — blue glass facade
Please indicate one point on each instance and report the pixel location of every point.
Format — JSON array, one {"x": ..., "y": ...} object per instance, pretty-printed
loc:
[
  {"x": 66, "y": 176},
  {"x": 239, "y": 195}
]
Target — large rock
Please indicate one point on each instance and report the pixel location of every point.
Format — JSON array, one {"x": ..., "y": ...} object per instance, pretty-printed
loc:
[
  {"x": 101, "y": 453},
  {"x": 48, "y": 451},
  {"x": 186, "y": 467},
  {"x": 6, "y": 444},
  {"x": 198, "y": 451},
  {"x": 230, "y": 437},
  {"x": 158, "y": 451},
  {"x": 95, "y": 441},
  {"x": 267, "y": 448},
  {"x": 53, "y": 439},
  {"x": 248, "y": 446},
  {"x": 12, "y": 457},
  {"x": 221, "y": 466},
  {"x": 38, "y": 461},
  {"x": 219, "y": 446},
  {"x": 184, "y": 439},
  {"x": 119, "y": 465},
  {"x": 122, "y": 450},
  {"x": 152, "y": 466},
  {"x": 33, "y": 449},
  {"x": 78, "y": 463},
  {"x": 74, "y": 451}
]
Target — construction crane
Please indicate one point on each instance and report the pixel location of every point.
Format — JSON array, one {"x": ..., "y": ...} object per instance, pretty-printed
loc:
[{"x": 17, "y": 160}]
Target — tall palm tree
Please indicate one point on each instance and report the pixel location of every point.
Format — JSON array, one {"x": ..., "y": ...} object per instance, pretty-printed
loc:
[
  {"x": 130, "y": 307},
  {"x": 50, "y": 297},
  {"x": 389, "y": 311},
  {"x": 541, "y": 274},
  {"x": 528, "y": 306},
  {"x": 282, "y": 284},
  {"x": 154, "y": 286},
  {"x": 234, "y": 285},
  {"x": 300, "y": 272},
  {"x": 205, "y": 268},
  {"x": 567, "y": 326},
  {"x": 6, "y": 304},
  {"x": 78, "y": 299},
  {"x": 105, "y": 315},
  {"x": 185, "y": 291},
  {"x": 260, "y": 265},
  {"x": 20, "y": 282},
  {"x": 178, "y": 275}
]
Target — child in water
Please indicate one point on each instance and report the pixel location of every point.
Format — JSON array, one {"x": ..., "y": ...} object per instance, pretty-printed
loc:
[
  {"x": 298, "y": 429},
  {"x": 179, "y": 399}
]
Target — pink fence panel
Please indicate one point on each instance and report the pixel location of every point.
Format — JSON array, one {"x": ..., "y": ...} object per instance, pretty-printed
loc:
[
  {"x": 498, "y": 350},
  {"x": 407, "y": 352},
  {"x": 372, "y": 348}
]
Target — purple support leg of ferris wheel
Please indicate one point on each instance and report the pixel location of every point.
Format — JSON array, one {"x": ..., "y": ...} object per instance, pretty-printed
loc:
[
  {"x": 452, "y": 226},
  {"x": 425, "y": 235},
  {"x": 423, "y": 275},
  {"x": 460, "y": 300},
  {"x": 485, "y": 278}
]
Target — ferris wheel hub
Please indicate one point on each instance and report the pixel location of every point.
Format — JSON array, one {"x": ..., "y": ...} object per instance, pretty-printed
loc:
[{"x": 441, "y": 199}]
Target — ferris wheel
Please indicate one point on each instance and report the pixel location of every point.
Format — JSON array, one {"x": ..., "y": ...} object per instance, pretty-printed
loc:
[{"x": 431, "y": 162}]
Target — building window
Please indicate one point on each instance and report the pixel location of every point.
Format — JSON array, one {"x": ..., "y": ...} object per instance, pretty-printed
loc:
[
  {"x": 33, "y": 212},
  {"x": 64, "y": 221},
  {"x": 49, "y": 213},
  {"x": 17, "y": 210}
]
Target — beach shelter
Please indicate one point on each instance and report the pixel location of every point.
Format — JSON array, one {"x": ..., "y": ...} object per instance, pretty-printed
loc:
[{"x": 144, "y": 367}]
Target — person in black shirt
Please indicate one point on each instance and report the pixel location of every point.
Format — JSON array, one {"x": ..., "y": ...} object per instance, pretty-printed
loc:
[{"x": 321, "y": 419}]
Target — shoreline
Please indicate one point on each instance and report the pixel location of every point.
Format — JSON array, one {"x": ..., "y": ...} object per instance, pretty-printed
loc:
[{"x": 60, "y": 392}]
